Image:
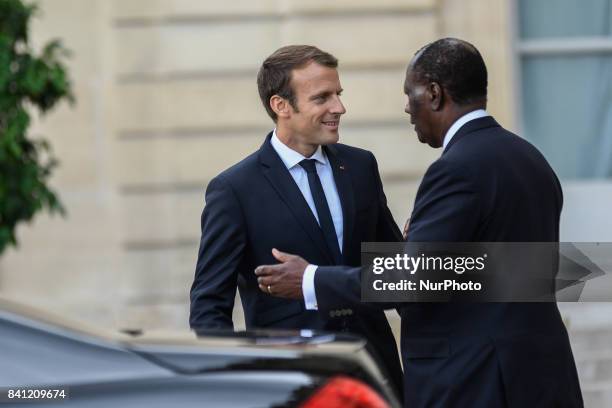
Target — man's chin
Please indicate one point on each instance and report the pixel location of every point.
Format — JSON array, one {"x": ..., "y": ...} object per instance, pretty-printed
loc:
[
  {"x": 429, "y": 141},
  {"x": 331, "y": 137}
]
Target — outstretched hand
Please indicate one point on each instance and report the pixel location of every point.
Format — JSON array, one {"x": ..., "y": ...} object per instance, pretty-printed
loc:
[{"x": 283, "y": 279}]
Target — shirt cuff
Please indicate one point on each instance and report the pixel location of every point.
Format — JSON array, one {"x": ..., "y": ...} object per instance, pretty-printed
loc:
[{"x": 308, "y": 288}]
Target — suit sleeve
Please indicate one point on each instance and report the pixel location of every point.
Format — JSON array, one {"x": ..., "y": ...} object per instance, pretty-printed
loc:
[
  {"x": 386, "y": 229},
  {"x": 221, "y": 249},
  {"x": 446, "y": 210},
  {"x": 447, "y": 206},
  {"x": 337, "y": 287}
]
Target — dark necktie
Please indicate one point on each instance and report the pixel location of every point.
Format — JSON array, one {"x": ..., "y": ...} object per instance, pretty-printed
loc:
[{"x": 325, "y": 218}]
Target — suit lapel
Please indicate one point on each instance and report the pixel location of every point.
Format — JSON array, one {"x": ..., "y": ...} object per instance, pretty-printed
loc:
[
  {"x": 277, "y": 174},
  {"x": 344, "y": 186}
]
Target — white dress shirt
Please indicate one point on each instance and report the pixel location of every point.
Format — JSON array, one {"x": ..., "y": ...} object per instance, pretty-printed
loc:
[
  {"x": 308, "y": 287},
  {"x": 292, "y": 160}
]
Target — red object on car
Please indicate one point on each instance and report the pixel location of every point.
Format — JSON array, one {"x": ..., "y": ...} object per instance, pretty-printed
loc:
[{"x": 345, "y": 392}]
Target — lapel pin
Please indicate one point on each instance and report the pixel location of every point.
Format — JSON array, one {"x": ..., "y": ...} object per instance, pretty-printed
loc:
[{"x": 341, "y": 167}]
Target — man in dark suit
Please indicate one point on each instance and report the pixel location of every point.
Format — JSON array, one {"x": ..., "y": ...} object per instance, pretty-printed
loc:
[
  {"x": 301, "y": 192},
  {"x": 489, "y": 185}
]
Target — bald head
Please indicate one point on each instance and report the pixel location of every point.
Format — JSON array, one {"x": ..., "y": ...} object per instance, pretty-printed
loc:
[{"x": 456, "y": 66}]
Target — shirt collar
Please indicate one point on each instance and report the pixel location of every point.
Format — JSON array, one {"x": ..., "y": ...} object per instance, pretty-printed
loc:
[
  {"x": 292, "y": 158},
  {"x": 476, "y": 114}
]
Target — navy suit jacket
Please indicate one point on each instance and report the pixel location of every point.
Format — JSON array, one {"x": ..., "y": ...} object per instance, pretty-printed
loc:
[
  {"x": 255, "y": 206},
  {"x": 489, "y": 185}
]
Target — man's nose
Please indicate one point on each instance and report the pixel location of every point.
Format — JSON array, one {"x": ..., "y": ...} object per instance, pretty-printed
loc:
[
  {"x": 407, "y": 107},
  {"x": 338, "y": 108}
]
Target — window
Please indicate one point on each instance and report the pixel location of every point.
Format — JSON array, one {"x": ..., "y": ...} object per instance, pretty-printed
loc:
[{"x": 565, "y": 53}]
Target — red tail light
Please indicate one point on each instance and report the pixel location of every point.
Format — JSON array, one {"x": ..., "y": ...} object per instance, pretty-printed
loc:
[{"x": 345, "y": 392}]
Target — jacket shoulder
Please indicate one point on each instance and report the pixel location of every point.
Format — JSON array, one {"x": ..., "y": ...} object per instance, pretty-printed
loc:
[{"x": 241, "y": 169}]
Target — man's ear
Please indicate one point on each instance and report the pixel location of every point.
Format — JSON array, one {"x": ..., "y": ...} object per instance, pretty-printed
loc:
[
  {"x": 280, "y": 106},
  {"x": 436, "y": 96}
]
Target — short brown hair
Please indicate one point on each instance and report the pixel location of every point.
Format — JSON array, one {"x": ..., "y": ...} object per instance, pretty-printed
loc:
[{"x": 274, "y": 76}]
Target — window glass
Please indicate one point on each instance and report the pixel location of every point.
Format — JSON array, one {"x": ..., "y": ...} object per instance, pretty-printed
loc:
[
  {"x": 564, "y": 18},
  {"x": 567, "y": 112}
]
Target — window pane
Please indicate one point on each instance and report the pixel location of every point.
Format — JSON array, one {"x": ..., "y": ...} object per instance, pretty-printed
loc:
[
  {"x": 565, "y": 18},
  {"x": 567, "y": 112}
]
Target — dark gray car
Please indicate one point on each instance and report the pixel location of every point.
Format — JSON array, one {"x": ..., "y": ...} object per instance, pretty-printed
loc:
[{"x": 69, "y": 365}]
